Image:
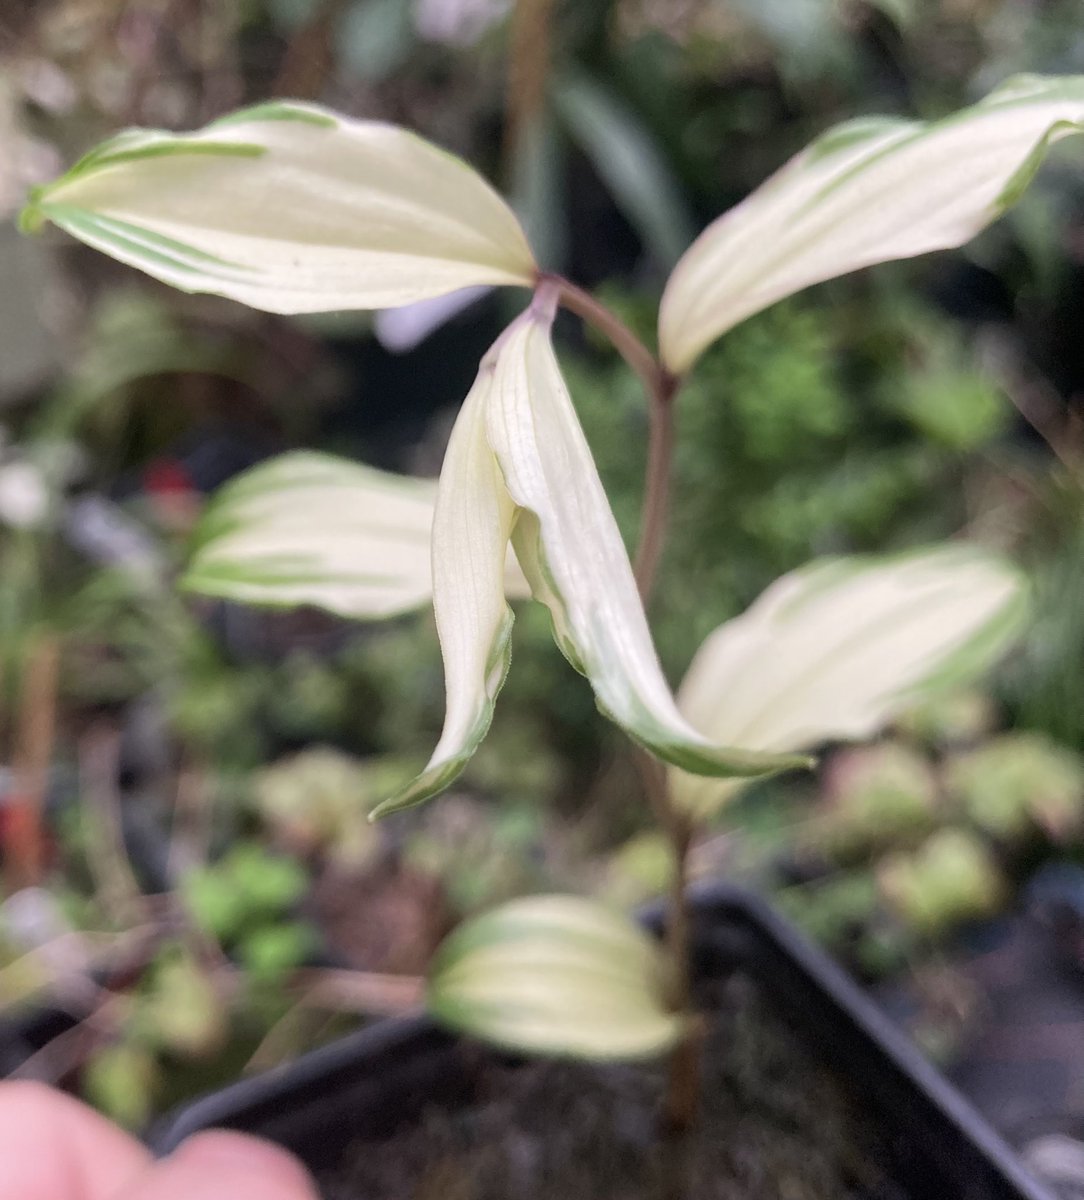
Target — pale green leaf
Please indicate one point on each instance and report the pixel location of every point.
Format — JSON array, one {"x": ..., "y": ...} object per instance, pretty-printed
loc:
[
  {"x": 866, "y": 192},
  {"x": 833, "y": 651},
  {"x": 554, "y": 975},
  {"x": 570, "y": 549},
  {"x": 313, "y": 529},
  {"x": 471, "y": 529},
  {"x": 293, "y": 209}
]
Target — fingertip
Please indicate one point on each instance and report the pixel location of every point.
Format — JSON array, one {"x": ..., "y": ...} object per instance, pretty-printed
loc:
[
  {"x": 242, "y": 1152},
  {"x": 222, "y": 1164},
  {"x": 50, "y": 1144}
]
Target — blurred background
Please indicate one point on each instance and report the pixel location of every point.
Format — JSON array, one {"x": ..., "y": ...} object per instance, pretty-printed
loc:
[{"x": 189, "y": 887}]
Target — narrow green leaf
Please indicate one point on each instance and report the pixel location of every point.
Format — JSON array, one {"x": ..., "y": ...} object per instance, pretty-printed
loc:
[
  {"x": 554, "y": 975},
  {"x": 865, "y": 192},
  {"x": 375, "y": 37},
  {"x": 629, "y": 163},
  {"x": 539, "y": 190}
]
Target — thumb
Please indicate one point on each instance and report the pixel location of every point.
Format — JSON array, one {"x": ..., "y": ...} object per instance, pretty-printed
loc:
[{"x": 224, "y": 1166}]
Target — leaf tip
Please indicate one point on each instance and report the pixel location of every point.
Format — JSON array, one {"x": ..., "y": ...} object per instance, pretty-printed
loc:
[{"x": 32, "y": 217}]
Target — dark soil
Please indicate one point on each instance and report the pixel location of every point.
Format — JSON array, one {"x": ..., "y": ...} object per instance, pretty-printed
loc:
[{"x": 775, "y": 1125}]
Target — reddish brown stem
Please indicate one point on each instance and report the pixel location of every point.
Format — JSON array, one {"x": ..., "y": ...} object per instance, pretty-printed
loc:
[
  {"x": 682, "y": 1095},
  {"x": 662, "y": 389},
  {"x": 25, "y": 841}
]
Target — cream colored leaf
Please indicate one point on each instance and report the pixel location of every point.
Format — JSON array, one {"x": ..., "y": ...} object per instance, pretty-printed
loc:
[
  {"x": 570, "y": 549},
  {"x": 518, "y": 467},
  {"x": 292, "y": 209},
  {"x": 554, "y": 975},
  {"x": 471, "y": 529},
  {"x": 865, "y": 192},
  {"x": 310, "y": 528},
  {"x": 833, "y": 651}
]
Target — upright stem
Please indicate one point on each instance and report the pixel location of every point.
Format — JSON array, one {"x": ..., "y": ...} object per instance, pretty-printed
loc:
[
  {"x": 529, "y": 54},
  {"x": 608, "y": 323},
  {"x": 662, "y": 389},
  {"x": 656, "y": 511},
  {"x": 35, "y": 734},
  {"x": 683, "y": 1079}
]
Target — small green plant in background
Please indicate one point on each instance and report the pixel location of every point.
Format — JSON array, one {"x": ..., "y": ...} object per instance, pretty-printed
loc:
[
  {"x": 244, "y": 901},
  {"x": 292, "y": 209},
  {"x": 925, "y": 830}
]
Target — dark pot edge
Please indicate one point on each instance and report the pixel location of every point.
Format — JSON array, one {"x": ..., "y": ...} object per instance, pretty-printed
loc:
[
  {"x": 880, "y": 1034},
  {"x": 417, "y": 1035}
]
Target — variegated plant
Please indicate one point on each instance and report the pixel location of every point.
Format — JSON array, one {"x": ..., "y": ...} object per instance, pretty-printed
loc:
[{"x": 291, "y": 208}]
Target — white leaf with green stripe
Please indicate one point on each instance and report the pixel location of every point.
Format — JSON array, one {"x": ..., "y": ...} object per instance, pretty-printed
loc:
[
  {"x": 554, "y": 975},
  {"x": 309, "y": 528},
  {"x": 865, "y": 192},
  {"x": 313, "y": 529},
  {"x": 834, "y": 650},
  {"x": 518, "y": 448},
  {"x": 291, "y": 208},
  {"x": 471, "y": 529},
  {"x": 569, "y": 546}
]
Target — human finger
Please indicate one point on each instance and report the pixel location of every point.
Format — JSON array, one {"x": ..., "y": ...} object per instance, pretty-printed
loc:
[
  {"x": 54, "y": 1148},
  {"x": 224, "y": 1166}
]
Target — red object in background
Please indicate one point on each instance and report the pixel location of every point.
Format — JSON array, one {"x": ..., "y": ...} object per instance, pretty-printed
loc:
[
  {"x": 166, "y": 477},
  {"x": 24, "y": 847},
  {"x": 174, "y": 498}
]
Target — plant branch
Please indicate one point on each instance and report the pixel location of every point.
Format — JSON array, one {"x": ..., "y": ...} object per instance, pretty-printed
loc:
[
  {"x": 115, "y": 882},
  {"x": 683, "y": 1078},
  {"x": 608, "y": 323},
  {"x": 37, "y": 730},
  {"x": 662, "y": 389},
  {"x": 656, "y": 510},
  {"x": 530, "y": 46}
]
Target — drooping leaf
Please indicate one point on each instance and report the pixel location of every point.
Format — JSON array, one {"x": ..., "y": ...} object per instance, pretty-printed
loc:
[
  {"x": 471, "y": 529},
  {"x": 310, "y": 528},
  {"x": 865, "y": 192},
  {"x": 832, "y": 651},
  {"x": 570, "y": 549},
  {"x": 291, "y": 208},
  {"x": 554, "y": 975},
  {"x": 518, "y": 468}
]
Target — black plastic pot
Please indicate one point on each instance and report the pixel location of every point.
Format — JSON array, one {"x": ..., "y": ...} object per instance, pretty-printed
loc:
[{"x": 367, "y": 1084}]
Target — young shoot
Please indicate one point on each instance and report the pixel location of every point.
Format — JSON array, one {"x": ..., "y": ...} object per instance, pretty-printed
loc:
[{"x": 292, "y": 209}]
